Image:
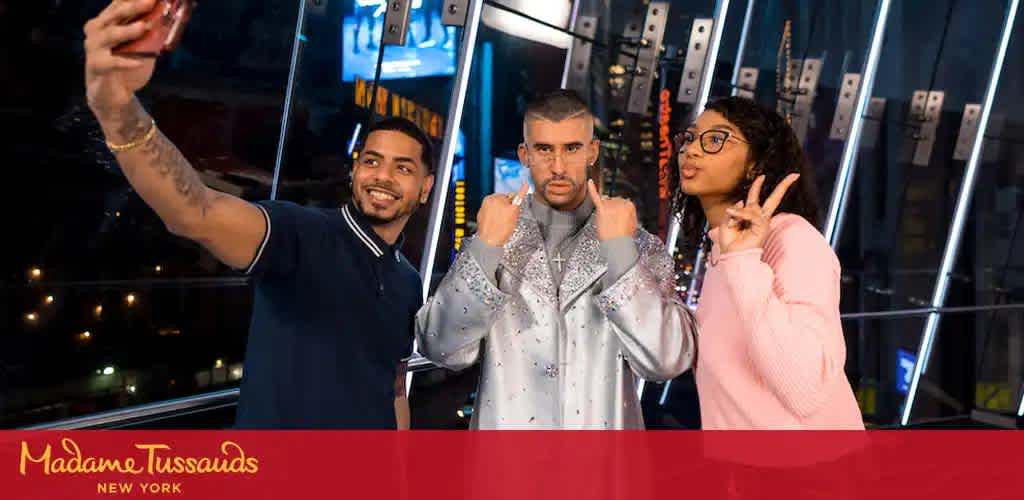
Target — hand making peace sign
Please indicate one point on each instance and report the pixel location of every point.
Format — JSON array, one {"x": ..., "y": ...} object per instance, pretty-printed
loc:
[{"x": 748, "y": 223}]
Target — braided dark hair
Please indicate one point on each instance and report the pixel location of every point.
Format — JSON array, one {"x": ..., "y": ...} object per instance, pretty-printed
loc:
[{"x": 776, "y": 153}]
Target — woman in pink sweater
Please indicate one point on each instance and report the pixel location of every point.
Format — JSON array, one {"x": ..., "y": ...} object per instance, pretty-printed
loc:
[{"x": 770, "y": 354}]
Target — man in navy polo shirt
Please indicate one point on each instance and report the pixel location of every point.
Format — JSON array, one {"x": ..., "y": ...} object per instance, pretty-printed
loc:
[{"x": 334, "y": 298}]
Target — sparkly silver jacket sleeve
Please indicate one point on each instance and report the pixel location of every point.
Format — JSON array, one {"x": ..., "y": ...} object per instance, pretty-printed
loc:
[
  {"x": 450, "y": 327},
  {"x": 656, "y": 330}
]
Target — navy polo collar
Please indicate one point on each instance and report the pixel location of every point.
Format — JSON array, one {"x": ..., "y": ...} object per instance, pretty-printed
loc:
[{"x": 363, "y": 230}]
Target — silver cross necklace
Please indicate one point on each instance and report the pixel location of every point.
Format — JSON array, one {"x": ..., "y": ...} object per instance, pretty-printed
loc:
[{"x": 558, "y": 260}]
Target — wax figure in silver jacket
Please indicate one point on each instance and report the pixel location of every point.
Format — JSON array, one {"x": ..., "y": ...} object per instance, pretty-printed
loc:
[{"x": 560, "y": 296}]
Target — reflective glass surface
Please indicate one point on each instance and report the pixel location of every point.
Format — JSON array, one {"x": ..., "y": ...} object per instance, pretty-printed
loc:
[
  {"x": 795, "y": 58},
  {"x": 906, "y": 178},
  {"x": 987, "y": 272},
  {"x": 103, "y": 307}
]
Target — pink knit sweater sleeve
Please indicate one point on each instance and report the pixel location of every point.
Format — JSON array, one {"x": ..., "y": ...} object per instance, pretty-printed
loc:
[{"x": 787, "y": 296}]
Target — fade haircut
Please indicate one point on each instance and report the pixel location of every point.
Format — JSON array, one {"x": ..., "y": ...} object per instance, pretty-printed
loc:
[
  {"x": 556, "y": 106},
  {"x": 411, "y": 130}
]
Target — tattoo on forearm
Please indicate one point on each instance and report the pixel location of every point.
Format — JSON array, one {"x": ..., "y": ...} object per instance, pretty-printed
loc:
[
  {"x": 165, "y": 158},
  {"x": 135, "y": 125},
  {"x": 169, "y": 162}
]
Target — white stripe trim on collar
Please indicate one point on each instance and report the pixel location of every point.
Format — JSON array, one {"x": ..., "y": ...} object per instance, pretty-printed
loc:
[
  {"x": 263, "y": 245},
  {"x": 360, "y": 233}
]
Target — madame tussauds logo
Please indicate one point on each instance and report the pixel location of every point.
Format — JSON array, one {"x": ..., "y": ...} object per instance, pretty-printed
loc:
[{"x": 151, "y": 458}]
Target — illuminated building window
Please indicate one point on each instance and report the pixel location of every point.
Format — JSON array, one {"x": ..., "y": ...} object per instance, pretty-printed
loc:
[{"x": 460, "y": 213}]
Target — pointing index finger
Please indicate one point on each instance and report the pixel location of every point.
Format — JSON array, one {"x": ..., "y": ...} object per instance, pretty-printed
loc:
[
  {"x": 525, "y": 188},
  {"x": 594, "y": 195}
]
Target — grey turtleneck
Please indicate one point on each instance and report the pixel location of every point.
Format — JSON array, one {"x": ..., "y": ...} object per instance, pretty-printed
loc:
[{"x": 560, "y": 229}]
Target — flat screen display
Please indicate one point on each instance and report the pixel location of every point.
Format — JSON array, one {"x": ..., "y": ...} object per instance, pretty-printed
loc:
[
  {"x": 429, "y": 50},
  {"x": 509, "y": 175}
]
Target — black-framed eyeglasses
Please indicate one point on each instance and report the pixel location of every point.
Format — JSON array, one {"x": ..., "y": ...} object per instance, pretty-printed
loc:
[{"x": 711, "y": 141}]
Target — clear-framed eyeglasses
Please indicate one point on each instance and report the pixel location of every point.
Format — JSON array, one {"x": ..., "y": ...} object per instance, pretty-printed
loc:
[{"x": 571, "y": 155}]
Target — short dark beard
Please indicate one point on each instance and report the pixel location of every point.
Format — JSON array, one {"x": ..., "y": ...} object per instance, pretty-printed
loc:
[
  {"x": 379, "y": 221},
  {"x": 372, "y": 219}
]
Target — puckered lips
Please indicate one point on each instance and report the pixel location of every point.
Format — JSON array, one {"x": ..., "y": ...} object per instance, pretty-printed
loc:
[{"x": 688, "y": 170}]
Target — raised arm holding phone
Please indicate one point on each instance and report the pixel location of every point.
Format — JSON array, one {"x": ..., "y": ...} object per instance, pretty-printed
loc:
[{"x": 334, "y": 298}]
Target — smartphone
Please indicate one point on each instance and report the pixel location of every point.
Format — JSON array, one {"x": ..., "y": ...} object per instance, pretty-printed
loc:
[{"x": 167, "y": 23}]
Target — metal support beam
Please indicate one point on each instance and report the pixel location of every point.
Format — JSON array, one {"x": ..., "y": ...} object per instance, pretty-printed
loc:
[
  {"x": 872, "y": 127},
  {"x": 647, "y": 58},
  {"x": 717, "y": 28},
  {"x": 805, "y": 90},
  {"x": 396, "y": 22},
  {"x": 844, "y": 107},
  {"x": 455, "y": 12},
  {"x": 576, "y": 74},
  {"x": 573, "y": 21},
  {"x": 696, "y": 59},
  {"x": 738, "y": 64},
  {"x": 848, "y": 161},
  {"x": 925, "y": 109},
  {"x": 1020, "y": 408},
  {"x": 960, "y": 213},
  {"x": 466, "y": 12},
  {"x": 443, "y": 178},
  {"x": 289, "y": 92},
  {"x": 746, "y": 85},
  {"x": 968, "y": 131}
]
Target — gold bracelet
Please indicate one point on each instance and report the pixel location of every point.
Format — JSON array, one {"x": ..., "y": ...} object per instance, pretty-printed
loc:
[{"x": 120, "y": 148}]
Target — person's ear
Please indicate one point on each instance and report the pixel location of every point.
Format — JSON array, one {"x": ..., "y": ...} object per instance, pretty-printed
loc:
[
  {"x": 353, "y": 171},
  {"x": 753, "y": 169},
  {"x": 428, "y": 184},
  {"x": 521, "y": 152}
]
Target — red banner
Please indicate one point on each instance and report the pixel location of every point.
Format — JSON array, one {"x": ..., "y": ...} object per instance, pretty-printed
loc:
[{"x": 513, "y": 465}]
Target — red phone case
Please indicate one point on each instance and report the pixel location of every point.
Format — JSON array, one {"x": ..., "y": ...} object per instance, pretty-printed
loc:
[{"x": 167, "y": 23}]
